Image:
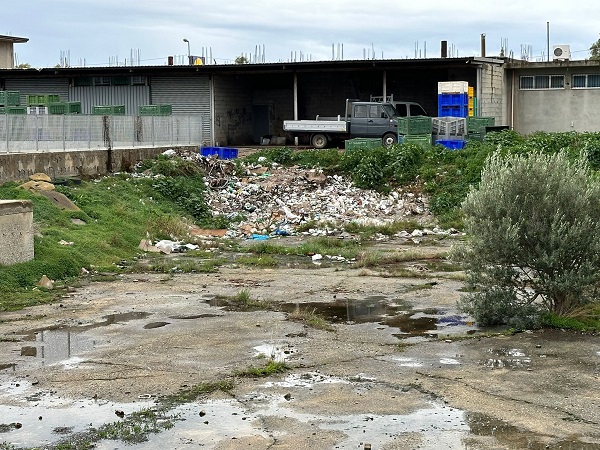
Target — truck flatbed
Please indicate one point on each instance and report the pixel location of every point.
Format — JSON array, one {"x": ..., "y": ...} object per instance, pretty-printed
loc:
[{"x": 323, "y": 126}]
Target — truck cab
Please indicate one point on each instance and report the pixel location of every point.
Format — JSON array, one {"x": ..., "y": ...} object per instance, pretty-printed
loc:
[{"x": 369, "y": 119}]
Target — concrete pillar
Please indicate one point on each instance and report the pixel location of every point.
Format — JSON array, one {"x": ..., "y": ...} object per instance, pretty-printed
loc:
[{"x": 16, "y": 231}]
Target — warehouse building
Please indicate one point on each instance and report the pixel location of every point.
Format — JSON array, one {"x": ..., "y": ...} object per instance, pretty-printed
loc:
[{"x": 238, "y": 104}]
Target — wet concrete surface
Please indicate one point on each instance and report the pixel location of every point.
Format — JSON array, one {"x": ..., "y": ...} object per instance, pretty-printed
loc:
[{"x": 402, "y": 370}]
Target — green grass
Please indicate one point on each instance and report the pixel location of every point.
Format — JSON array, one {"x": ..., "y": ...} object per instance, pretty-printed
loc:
[
  {"x": 271, "y": 368},
  {"x": 118, "y": 212},
  {"x": 310, "y": 318},
  {"x": 586, "y": 319},
  {"x": 257, "y": 261}
]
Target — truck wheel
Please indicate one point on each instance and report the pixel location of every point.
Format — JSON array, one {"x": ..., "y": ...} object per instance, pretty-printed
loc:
[
  {"x": 389, "y": 139},
  {"x": 319, "y": 141}
]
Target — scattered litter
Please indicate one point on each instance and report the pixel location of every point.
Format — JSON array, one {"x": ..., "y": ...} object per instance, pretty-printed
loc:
[
  {"x": 63, "y": 242},
  {"x": 317, "y": 257}
]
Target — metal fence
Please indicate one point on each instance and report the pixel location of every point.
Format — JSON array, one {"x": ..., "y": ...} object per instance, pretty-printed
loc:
[{"x": 51, "y": 133}]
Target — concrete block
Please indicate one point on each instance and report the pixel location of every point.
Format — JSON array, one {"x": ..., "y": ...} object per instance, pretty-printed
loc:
[{"x": 16, "y": 231}]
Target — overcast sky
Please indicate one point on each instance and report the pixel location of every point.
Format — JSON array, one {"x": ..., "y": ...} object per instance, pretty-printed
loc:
[{"x": 102, "y": 32}]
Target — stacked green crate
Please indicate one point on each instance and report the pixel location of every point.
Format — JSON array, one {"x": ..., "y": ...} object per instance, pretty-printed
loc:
[
  {"x": 10, "y": 98},
  {"x": 415, "y": 125},
  {"x": 362, "y": 143},
  {"x": 13, "y": 110},
  {"x": 65, "y": 108},
  {"x": 108, "y": 110},
  {"x": 415, "y": 130},
  {"x": 42, "y": 99},
  {"x": 476, "y": 126},
  {"x": 156, "y": 110}
]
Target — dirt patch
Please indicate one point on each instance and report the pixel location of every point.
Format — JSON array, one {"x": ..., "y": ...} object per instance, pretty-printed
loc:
[{"x": 402, "y": 368}]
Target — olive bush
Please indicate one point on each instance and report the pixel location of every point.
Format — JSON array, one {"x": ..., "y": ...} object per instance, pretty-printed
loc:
[{"x": 533, "y": 238}]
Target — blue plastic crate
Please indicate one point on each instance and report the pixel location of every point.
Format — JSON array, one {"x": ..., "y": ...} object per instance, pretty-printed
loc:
[
  {"x": 453, "y": 111},
  {"x": 453, "y": 99},
  {"x": 221, "y": 152},
  {"x": 227, "y": 153},
  {"x": 209, "y": 151},
  {"x": 452, "y": 145}
]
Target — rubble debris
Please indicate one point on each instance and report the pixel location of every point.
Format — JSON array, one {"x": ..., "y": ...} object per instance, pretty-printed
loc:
[
  {"x": 269, "y": 199},
  {"x": 40, "y": 177},
  {"x": 46, "y": 282}
]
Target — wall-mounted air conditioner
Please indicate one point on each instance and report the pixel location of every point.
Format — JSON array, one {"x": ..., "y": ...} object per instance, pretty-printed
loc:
[{"x": 561, "y": 53}]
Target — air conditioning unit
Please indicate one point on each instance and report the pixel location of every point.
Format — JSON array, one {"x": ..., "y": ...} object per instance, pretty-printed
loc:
[{"x": 561, "y": 53}]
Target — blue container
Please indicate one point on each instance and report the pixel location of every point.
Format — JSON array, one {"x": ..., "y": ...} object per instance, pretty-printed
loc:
[
  {"x": 209, "y": 151},
  {"x": 453, "y": 111},
  {"x": 221, "y": 152},
  {"x": 227, "y": 153},
  {"x": 453, "y": 99},
  {"x": 452, "y": 145}
]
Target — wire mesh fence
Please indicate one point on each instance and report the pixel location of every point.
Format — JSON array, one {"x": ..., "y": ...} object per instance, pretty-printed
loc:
[{"x": 51, "y": 133}]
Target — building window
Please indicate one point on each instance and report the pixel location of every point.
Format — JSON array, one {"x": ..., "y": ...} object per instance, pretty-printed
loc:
[
  {"x": 542, "y": 82},
  {"x": 586, "y": 81},
  {"x": 138, "y": 80},
  {"x": 101, "y": 81},
  {"x": 82, "y": 81}
]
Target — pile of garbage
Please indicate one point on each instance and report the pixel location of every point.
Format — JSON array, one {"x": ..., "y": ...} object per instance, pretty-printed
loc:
[{"x": 269, "y": 199}]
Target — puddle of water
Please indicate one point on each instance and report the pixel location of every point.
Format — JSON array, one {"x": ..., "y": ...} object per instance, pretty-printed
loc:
[
  {"x": 513, "y": 437},
  {"x": 276, "y": 352},
  {"x": 54, "y": 346},
  {"x": 507, "y": 358},
  {"x": 378, "y": 309},
  {"x": 196, "y": 316},
  {"x": 61, "y": 345},
  {"x": 152, "y": 325},
  {"x": 47, "y": 419},
  {"x": 207, "y": 425}
]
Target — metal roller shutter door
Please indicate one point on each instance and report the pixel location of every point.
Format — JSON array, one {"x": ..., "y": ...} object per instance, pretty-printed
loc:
[{"x": 187, "y": 95}]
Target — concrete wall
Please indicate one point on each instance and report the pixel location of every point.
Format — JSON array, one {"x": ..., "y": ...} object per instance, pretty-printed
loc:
[
  {"x": 555, "y": 110},
  {"x": 491, "y": 100},
  {"x": 233, "y": 110},
  {"x": 7, "y": 58},
  {"x": 16, "y": 231},
  {"x": 74, "y": 163}
]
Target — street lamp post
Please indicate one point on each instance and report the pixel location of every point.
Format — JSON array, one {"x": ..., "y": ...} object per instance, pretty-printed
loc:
[{"x": 189, "y": 54}]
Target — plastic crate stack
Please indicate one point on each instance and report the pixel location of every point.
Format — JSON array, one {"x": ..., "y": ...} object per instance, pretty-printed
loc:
[
  {"x": 362, "y": 143},
  {"x": 415, "y": 130},
  {"x": 450, "y": 132},
  {"x": 9, "y": 103},
  {"x": 453, "y": 99},
  {"x": 453, "y": 103}
]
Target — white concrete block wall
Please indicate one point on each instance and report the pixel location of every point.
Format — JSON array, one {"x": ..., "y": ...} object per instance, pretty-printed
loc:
[{"x": 16, "y": 231}]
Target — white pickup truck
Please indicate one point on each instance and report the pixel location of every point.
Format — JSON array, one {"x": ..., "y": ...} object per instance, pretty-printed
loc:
[{"x": 362, "y": 119}]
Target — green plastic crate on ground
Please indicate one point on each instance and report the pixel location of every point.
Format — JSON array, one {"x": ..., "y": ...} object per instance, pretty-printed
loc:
[
  {"x": 414, "y": 125},
  {"x": 42, "y": 99},
  {"x": 478, "y": 124},
  {"x": 362, "y": 143},
  {"x": 65, "y": 108},
  {"x": 13, "y": 110},
  {"x": 10, "y": 98},
  {"x": 423, "y": 140}
]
